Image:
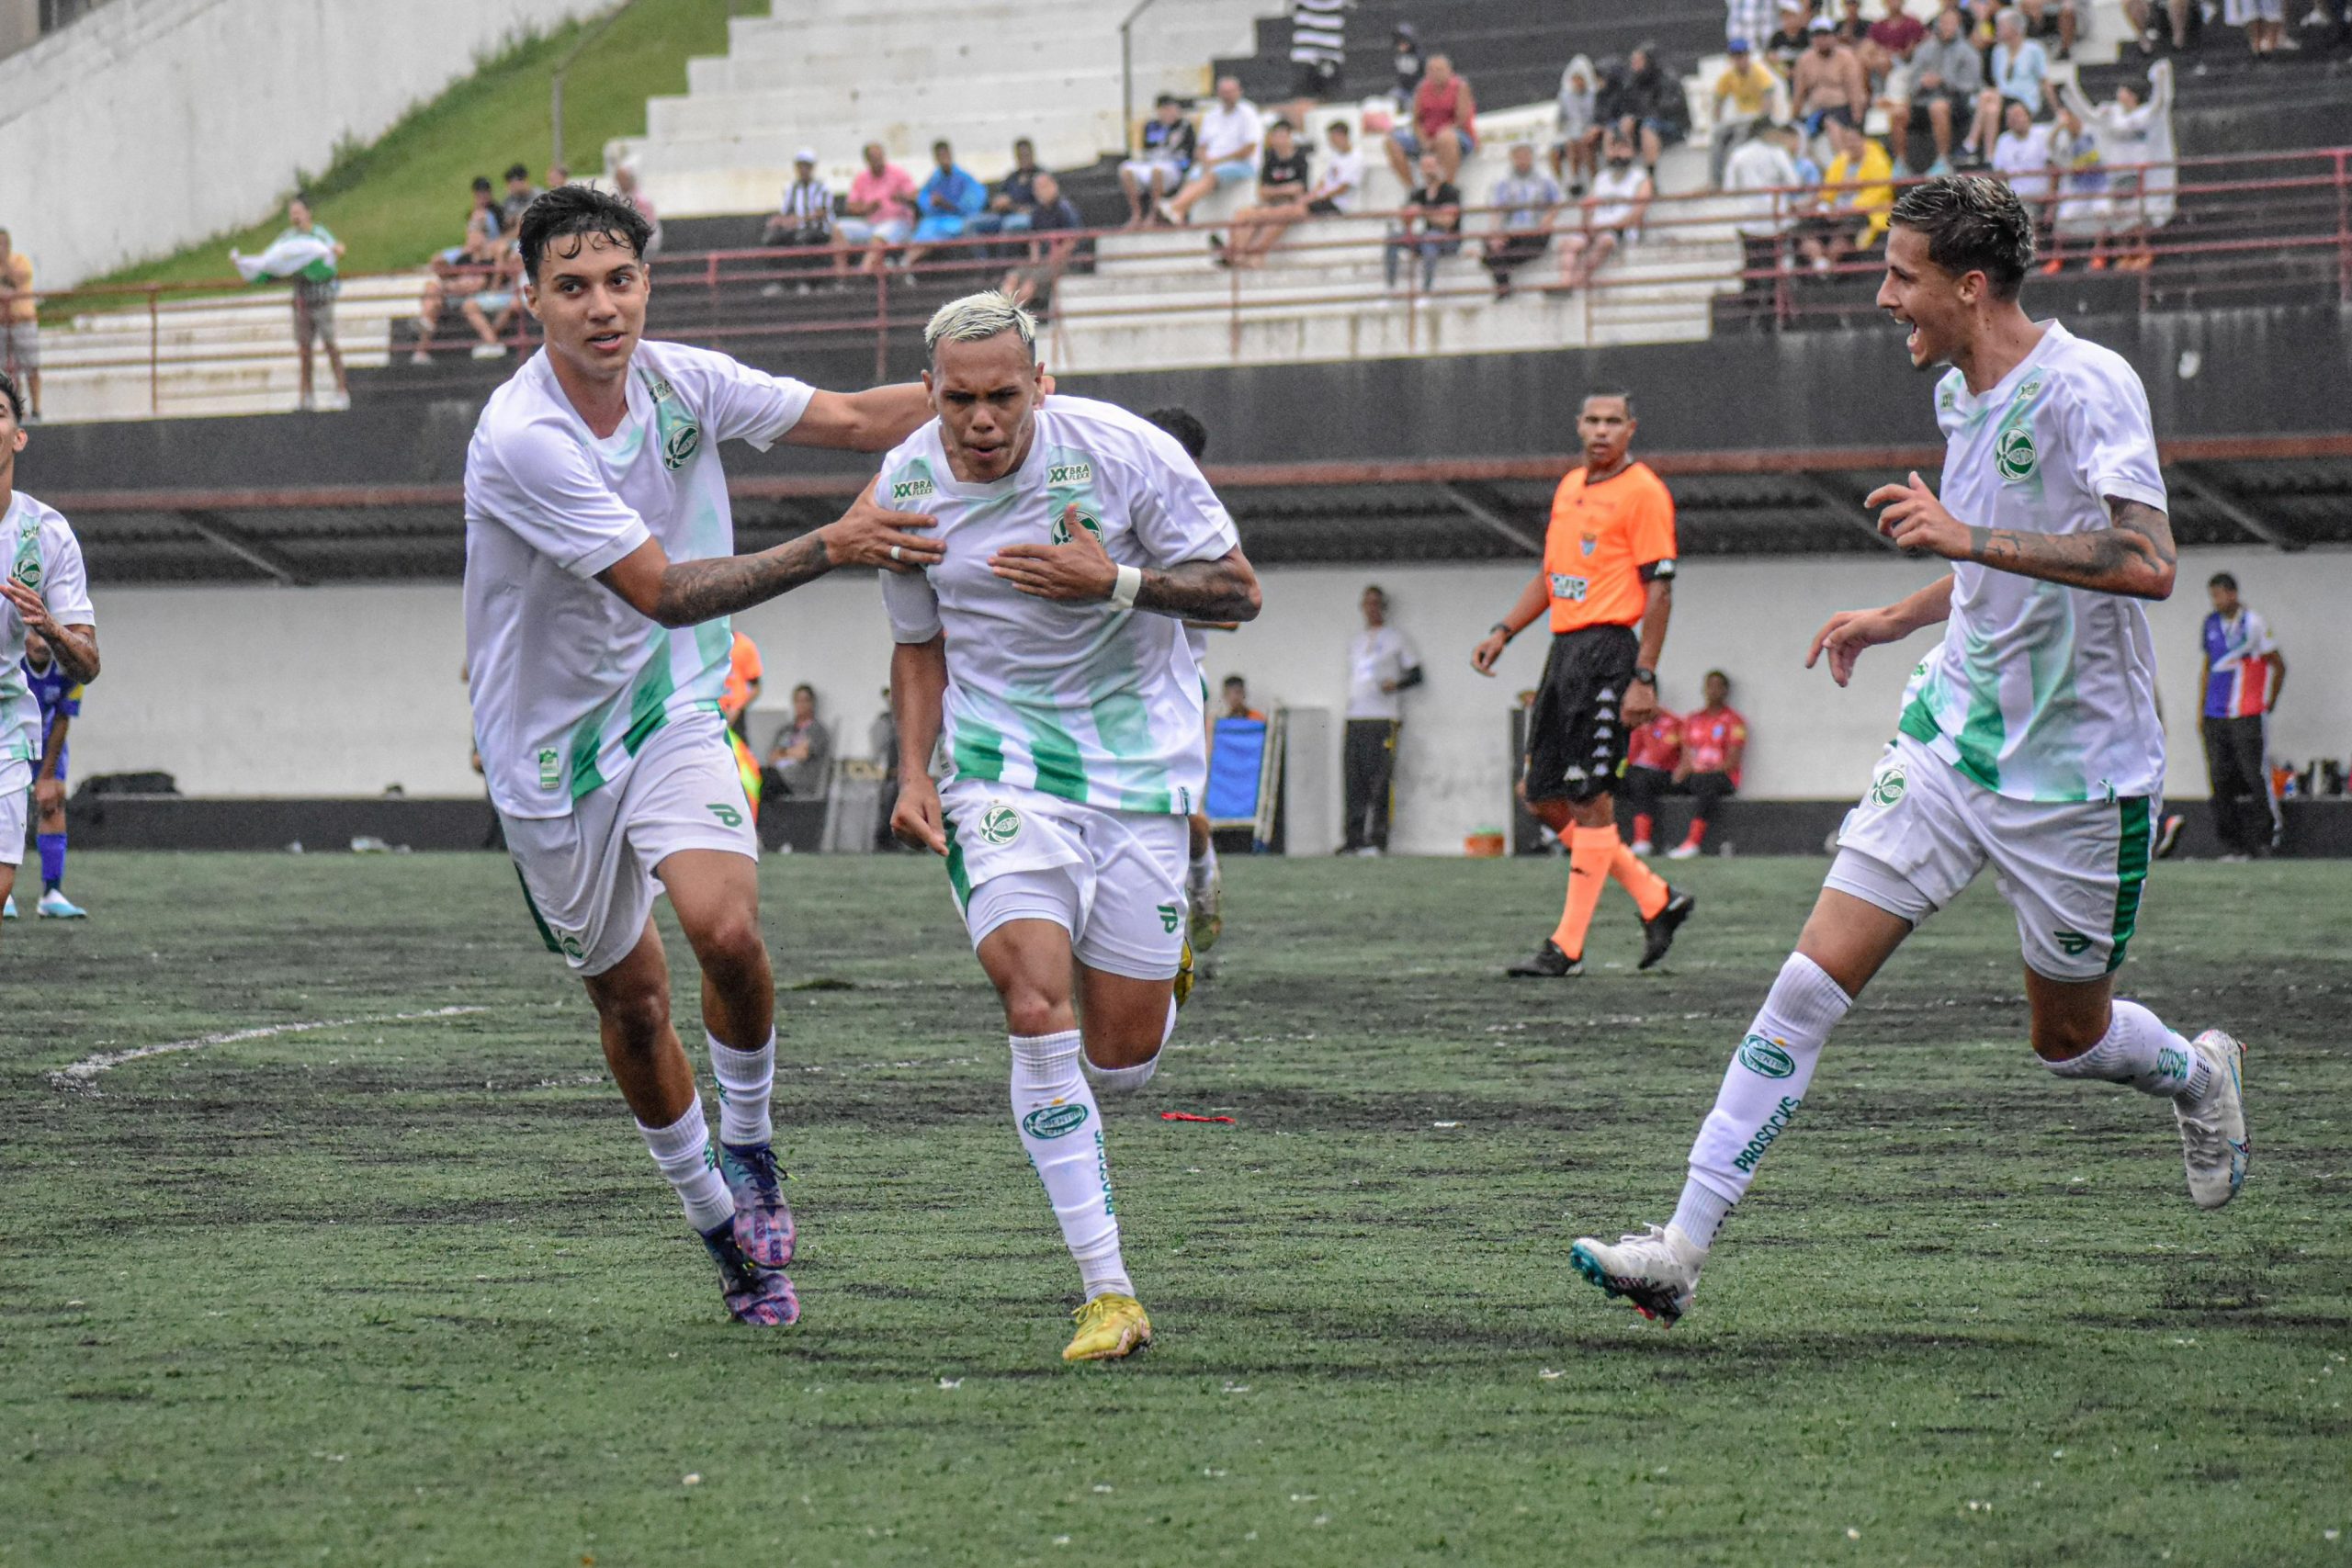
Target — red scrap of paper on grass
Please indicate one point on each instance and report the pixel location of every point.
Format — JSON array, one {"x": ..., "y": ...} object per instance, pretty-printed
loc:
[{"x": 1186, "y": 1116}]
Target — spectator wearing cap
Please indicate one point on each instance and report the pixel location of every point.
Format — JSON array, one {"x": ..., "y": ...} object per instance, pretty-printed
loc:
[
  {"x": 947, "y": 203},
  {"x": 1525, "y": 201},
  {"x": 460, "y": 270},
  {"x": 1015, "y": 196},
  {"x": 1158, "y": 170},
  {"x": 520, "y": 194},
  {"x": 804, "y": 218},
  {"x": 1744, "y": 94},
  {"x": 1231, "y": 133},
  {"x": 880, "y": 211},
  {"x": 1444, "y": 121},
  {"x": 625, "y": 186},
  {"x": 1829, "y": 84},
  {"x": 1946, "y": 75},
  {"x": 1054, "y": 231},
  {"x": 20, "y": 321}
]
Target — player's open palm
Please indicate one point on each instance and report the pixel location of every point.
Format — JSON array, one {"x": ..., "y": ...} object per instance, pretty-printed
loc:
[
  {"x": 1078, "y": 570},
  {"x": 915, "y": 818},
  {"x": 1844, "y": 637},
  {"x": 872, "y": 535}
]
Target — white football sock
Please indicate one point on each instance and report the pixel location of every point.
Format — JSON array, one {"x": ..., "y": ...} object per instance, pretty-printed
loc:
[
  {"x": 683, "y": 1151},
  {"x": 2137, "y": 1049},
  {"x": 746, "y": 1081},
  {"x": 1202, "y": 868},
  {"x": 1761, "y": 1090},
  {"x": 1120, "y": 1080},
  {"x": 1062, "y": 1129}
]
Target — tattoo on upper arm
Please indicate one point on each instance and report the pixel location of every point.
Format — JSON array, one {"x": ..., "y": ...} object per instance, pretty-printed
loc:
[{"x": 697, "y": 591}]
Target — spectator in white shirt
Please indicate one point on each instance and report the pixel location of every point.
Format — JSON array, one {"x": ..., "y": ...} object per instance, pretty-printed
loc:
[
  {"x": 1525, "y": 201},
  {"x": 1765, "y": 165},
  {"x": 1383, "y": 663},
  {"x": 2022, "y": 157},
  {"x": 1231, "y": 132},
  {"x": 1329, "y": 195}
]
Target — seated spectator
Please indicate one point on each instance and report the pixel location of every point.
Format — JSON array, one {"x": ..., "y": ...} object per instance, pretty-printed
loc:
[
  {"x": 2053, "y": 18},
  {"x": 1888, "y": 47},
  {"x": 1339, "y": 189},
  {"x": 804, "y": 219},
  {"x": 2017, "y": 71},
  {"x": 19, "y": 323},
  {"x": 2177, "y": 14},
  {"x": 1429, "y": 224},
  {"x": 1231, "y": 134},
  {"x": 2021, "y": 156},
  {"x": 1444, "y": 120},
  {"x": 1282, "y": 201},
  {"x": 2085, "y": 206},
  {"x": 1853, "y": 28},
  {"x": 1857, "y": 199},
  {"x": 461, "y": 269},
  {"x": 1828, "y": 85},
  {"x": 1051, "y": 214},
  {"x": 497, "y": 309},
  {"x": 1765, "y": 165},
  {"x": 624, "y": 185},
  {"x": 880, "y": 212},
  {"x": 1611, "y": 215},
  {"x": 800, "y": 760},
  {"x": 1526, "y": 201},
  {"x": 1946, "y": 75},
  {"x": 1646, "y": 102},
  {"x": 1015, "y": 197},
  {"x": 1653, "y": 754},
  {"x": 1714, "y": 742},
  {"x": 1576, "y": 152},
  {"x": 1159, "y": 170},
  {"x": 1236, "y": 701},
  {"x": 1745, "y": 94},
  {"x": 520, "y": 194},
  {"x": 1790, "y": 40},
  {"x": 2136, "y": 141},
  {"x": 947, "y": 205}
]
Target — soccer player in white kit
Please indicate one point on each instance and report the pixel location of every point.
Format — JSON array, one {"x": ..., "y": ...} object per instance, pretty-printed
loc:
[
  {"x": 45, "y": 591},
  {"x": 1049, "y": 646},
  {"x": 2029, "y": 740},
  {"x": 600, "y": 571}
]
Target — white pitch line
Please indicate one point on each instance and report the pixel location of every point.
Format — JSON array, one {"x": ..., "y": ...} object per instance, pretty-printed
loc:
[{"x": 82, "y": 1074}]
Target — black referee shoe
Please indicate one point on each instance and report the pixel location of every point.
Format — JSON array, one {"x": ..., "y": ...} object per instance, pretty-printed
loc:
[
  {"x": 1657, "y": 931},
  {"x": 1549, "y": 963}
]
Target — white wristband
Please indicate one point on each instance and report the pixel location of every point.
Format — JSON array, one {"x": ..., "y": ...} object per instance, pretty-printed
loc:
[{"x": 1130, "y": 583}]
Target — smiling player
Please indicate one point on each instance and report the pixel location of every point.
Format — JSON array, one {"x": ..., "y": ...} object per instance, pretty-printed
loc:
[
  {"x": 1048, "y": 646},
  {"x": 600, "y": 571},
  {"x": 2029, "y": 740}
]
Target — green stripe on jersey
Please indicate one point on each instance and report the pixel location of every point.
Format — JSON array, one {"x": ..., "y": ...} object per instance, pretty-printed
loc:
[
  {"x": 958, "y": 879},
  {"x": 979, "y": 750},
  {"x": 649, "y": 705},
  {"x": 1061, "y": 770},
  {"x": 2130, "y": 873}
]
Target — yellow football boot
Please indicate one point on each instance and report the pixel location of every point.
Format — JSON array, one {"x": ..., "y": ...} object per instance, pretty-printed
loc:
[
  {"x": 1184, "y": 975},
  {"x": 1109, "y": 1327}
]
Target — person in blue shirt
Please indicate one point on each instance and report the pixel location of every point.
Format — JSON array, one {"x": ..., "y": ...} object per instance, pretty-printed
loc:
[
  {"x": 946, "y": 204},
  {"x": 60, "y": 696}
]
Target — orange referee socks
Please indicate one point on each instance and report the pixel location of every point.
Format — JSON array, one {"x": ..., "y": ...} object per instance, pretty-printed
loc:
[
  {"x": 1648, "y": 889},
  {"x": 1591, "y": 854}
]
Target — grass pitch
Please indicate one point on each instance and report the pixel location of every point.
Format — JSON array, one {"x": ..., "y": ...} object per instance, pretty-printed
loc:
[{"x": 408, "y": 1291}]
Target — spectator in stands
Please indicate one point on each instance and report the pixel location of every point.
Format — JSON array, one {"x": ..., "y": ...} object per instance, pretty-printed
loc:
[
  {"x": 498, "y": 308},
  {"x": 1745, "y": 94},
  {"x": 1159, "y": 170},
  {"x": 880, "y": 211},
  {"x": 1647, "y": 103},
  {"x": 1282, "y": 188},
  {"x": 1946, "y": 75},
  {"x": 1765, "y": 166},
  {"x": 1853, "y": 28},
  {"x": 1525, "y": 201},
  {"x": 520, "y": 194},
  {"x": 800, "y": 760},
  {"x": 1576, "y": 153},
  {"x": 1828, "y": 85},
  {"x": 19, "y": 323},
  {"x": 1053, "y": 231},
  {"x": 1714, "y": 741},
  {"x": 559, "y": 177},
  {"x": 1318, "y": 54},
  {"x": 1891, "y": 43},
  {"x": 1790, "y": 40},
  {"x": 2018, "y": 71},
  {"x": 2244, "y": 672},
  {"x": 314, "y": 290},
  {"x": 804, "y": 218},
  {"x": 947, "y": 205},
  {"x": 1429, "y": 224},
  {"x": 1231, "y": 134},
  {"x": 2135, "y": 138},
  {"x": 2021, "y": 156},
  {"x": 1405, "y": 47},
  {"x": 1339, "y": 188},
  {"x": 1858, "y": 195},
  {"x": 461, "y": 269},
  {"x": 2085, "y": 208},
  {"x": 1014, "y": 199},
  {"x": 1444, "y": 121},
  {"x": 2055, "y": 18},
  {"x": 1236, "y": 701},
  {"x": 1652, "y": 755},
  {"x": 624, "y": 185},
  {"x": 1612, "y": 214},
  {"x": 1750, "y": 19}
]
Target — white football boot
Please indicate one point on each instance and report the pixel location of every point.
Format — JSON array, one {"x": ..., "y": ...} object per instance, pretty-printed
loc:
[
  {"x": 2213, "y": 1127},
  {"x": 1658, "y": 1270}
]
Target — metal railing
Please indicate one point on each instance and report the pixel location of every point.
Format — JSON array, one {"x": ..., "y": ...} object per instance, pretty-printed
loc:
[{"x": 2240, "y": 223}]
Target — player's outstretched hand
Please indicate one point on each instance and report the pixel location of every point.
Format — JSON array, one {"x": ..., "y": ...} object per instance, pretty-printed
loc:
[
  {"x": 1484, "y": 656},
  {"x": 869, "y": 534},
  {"x": 915, "y": 818},
  {"x": 1078, "y": 571},
  {"x": 1848, "y": 633},
  {"x": 1915, "y": 520}
]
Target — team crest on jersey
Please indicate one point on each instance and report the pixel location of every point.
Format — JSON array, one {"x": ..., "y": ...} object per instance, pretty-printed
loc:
[
  {"x": 999, "y": 824},
  {"x": 678, "y": 430},
  {"x": 2013, "y": 453},
  {"x": 1590, "y": 542},
  {"x": 1061, "y": 535},
  {"x": 1070, "y": 474},
  {"x": 1888, "y": 784}
]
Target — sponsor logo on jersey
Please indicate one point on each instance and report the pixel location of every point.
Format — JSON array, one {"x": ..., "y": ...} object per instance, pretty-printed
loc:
[
  {"x": 1070, "y": 474},
  {"x": 1061, "y": 535},
  {"x": 1568, "y": 588},
  {"x": 1774, "y": 1125},
  {"x": 2074, "y": 944},
  {"x": 999, "y": 824},
  {"x": 912, "y": 490},
  {"x": 550, "y": 768},
  {"x": 1056, "y": 1121},
  {"x": 1888, "y": 784},
  {"x": 725, "y": 813},
  {"x": 1765, "y": 1058},
  {"x": 680, "y": 431},
  {"x": 2013, "y": 453}
]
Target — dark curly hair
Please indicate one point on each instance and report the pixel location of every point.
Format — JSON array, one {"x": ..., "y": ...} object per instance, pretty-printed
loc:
[
  {"x": 579, "y": 209},
  {"x": 1971, "y": 223}
]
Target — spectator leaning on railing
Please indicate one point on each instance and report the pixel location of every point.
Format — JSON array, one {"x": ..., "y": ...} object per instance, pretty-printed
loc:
[
  {"x": 1159, "y": 168},
  {"x": 1526, "y": 202},
  {"x": 19, "y": 323},
  {"x": 880, "y": 211},
  {"x": 1231, "y": 133}
]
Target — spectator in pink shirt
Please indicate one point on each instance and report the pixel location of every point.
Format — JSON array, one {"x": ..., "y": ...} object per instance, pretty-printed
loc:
[{"x": 880, "y": 211}]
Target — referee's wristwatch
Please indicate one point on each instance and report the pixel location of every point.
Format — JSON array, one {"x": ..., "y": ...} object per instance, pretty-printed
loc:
[{"x": 1646, "y": 677}]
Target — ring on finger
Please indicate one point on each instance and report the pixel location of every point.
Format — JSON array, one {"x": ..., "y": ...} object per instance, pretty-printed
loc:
[{"x": 895, "y": 552}]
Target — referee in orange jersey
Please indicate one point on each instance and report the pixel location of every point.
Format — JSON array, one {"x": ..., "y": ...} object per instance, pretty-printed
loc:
[{"x": 1608, "y": 584}]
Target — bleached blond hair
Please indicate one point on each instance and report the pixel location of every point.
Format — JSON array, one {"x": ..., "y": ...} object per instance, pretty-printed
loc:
[{"x": 976, "y": 318}]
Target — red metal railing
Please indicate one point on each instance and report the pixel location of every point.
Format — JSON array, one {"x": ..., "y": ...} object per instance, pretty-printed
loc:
[{"x": 2240, "y": 223}]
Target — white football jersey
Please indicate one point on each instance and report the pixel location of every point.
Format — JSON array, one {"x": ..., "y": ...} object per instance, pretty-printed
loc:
[
  {"x": 567, "y": 680},
  {"x": 42, "y": 553},
  {"x": 2042, "y": 692},
  {"x": 1090, "y": 703}
]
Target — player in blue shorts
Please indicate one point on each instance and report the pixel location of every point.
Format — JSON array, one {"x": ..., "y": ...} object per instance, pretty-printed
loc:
[{"x": 60, "y": 696}]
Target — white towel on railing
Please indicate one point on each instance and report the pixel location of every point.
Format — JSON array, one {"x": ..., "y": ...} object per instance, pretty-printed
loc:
[{"x": 289, "y": 255}]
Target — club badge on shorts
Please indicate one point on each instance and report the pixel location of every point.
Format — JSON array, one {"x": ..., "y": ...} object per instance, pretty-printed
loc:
[{"x": 999, "y": 824}]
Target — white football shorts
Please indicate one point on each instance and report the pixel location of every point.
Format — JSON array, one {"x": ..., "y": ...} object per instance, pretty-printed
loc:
[
  {"x": 1115, "y": 880},
  {"x": 2072, "y": 870},
  {"x": 16, "y": 800},
  {"x": 589, "y": 877}
]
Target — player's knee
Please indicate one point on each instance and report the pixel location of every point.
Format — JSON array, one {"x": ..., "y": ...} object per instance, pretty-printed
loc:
[
  {"x": 635, "y": 1018},
  {"x": 729, "y": 944},
  {"x": 1030, "y": 1011}
]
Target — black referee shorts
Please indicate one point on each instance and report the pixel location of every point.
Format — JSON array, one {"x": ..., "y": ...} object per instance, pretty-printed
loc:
[{"x": 1575, "y": 744}]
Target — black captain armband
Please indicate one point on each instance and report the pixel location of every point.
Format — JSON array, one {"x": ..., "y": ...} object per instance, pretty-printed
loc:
[
  {"x": 1412, "y": 677},
  {"x": 1659, "y": 571}
]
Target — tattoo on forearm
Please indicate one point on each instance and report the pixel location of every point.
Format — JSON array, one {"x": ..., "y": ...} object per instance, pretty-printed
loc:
[
  {"x": 1224, "y": 589},
  {"x": 76, "y": 654},
  {"x": 2134, "y": 556},
  {"x": 697, "y": 591}
]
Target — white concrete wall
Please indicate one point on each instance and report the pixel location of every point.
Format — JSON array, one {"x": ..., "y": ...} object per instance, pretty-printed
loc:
[
  {"x": 326, "y": 691},
  {"x": 153, "y": 124}
]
